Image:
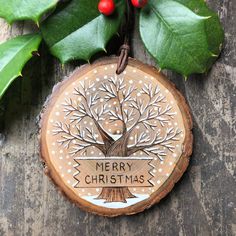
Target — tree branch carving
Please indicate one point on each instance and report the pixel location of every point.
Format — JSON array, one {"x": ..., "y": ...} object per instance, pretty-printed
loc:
[
  {"x": 79, "y": 140},
  {"x": 115, "y": 100}
]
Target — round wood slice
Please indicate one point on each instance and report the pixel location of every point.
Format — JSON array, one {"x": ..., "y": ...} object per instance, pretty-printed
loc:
[{"x": 116, "y": 144}]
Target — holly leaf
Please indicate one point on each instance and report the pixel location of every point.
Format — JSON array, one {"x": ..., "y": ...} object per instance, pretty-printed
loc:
[
  {"x": 13, "y": 56},
  {"x": 14, "y": 10},
  {"x": 78, "y": 30},
  {"x": 181, "y": 35},
  {"x": 214, "y": 30}
]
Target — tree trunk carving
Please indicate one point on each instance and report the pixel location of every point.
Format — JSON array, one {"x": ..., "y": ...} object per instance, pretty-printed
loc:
[{"x": 117, "y": 194}]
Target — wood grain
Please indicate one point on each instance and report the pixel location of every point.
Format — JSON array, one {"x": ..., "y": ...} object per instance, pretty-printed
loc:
[{"x": 202, "y": 203}]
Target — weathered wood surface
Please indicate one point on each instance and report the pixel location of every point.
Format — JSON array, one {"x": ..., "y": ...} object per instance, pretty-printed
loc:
[{"x": 202, "y": 203}]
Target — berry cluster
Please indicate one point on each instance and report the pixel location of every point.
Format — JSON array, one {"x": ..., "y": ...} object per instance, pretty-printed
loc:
[{"x": 107, "y": 7}]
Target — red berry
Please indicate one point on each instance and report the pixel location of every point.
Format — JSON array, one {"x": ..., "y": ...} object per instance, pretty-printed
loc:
[
  {"x": 106, "y": 7},
  {"x": 139, "y": 3}
]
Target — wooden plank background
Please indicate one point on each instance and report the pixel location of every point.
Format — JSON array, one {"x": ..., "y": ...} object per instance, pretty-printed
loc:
[{"x": 202, "y": 203}]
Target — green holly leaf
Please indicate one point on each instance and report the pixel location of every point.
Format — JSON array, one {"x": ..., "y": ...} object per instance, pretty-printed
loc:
[
  {"x": 214, "y": 30},
  {"x": 13, "y": 56},
  {"x": 181, "y": 35},
  {"x": 78, "y": 30},
  {"x": 14, "y": 10}
]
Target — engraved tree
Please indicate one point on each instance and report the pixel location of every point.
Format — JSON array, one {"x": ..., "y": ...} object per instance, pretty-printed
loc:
[{"x": 138, "y": 111}]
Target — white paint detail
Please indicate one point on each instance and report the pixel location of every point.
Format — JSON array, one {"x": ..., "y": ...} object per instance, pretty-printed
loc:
[{"x": 116, "y": 205}]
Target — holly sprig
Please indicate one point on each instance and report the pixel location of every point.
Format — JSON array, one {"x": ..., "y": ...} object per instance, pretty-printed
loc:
[{"x": 182, "y": 35}]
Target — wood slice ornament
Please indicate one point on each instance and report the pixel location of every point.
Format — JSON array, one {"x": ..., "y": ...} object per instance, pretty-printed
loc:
[{"x": 116, "y": 144}]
